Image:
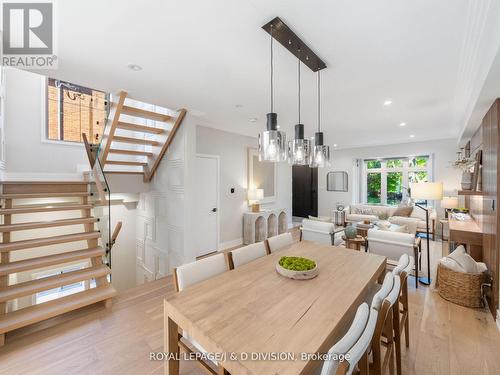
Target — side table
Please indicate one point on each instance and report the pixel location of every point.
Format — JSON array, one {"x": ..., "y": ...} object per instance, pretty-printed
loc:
[{"x": 354, "y": 243}]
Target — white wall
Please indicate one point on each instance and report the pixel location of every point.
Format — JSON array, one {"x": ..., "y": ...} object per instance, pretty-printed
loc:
[
  {"x": 233, "y": 152},
  {"x": 24, "y": 118},
  {"x": 444, "y": 151}
]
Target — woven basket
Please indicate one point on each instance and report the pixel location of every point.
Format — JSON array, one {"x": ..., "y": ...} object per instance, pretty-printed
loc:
[{"x": 461, "y": 288}]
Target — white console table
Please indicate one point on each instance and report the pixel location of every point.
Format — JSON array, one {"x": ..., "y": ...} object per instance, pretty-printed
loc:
[{"x": 257, "y": 226}]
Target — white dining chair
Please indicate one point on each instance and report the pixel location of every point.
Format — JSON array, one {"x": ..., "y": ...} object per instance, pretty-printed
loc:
[
  {"x": 387, "y": 327},
  {"x": 358, "y": 354},
  {"x": 243, "y": 255},
  {"x": 280, "y": 241},
  {"x": 192, "y": 273},
  {"x": 342, "y": 346},
  {"x": 320, "y": 232}
]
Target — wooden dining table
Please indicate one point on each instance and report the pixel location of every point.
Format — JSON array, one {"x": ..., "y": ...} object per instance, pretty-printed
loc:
[{"x": 260, "y": 322}]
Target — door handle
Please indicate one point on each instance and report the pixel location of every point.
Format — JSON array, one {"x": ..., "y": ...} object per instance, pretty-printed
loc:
[{"x": 214, "y": 209}]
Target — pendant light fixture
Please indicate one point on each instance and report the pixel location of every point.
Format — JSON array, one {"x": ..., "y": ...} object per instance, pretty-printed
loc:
[
  {"x": 272, "y": 142},
  {"x": 299, "y": 148},
  {"x": 320, "y": 156}
]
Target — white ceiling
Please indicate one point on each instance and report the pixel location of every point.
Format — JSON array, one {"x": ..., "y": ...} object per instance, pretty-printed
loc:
[{"x": 210, "y": 56}]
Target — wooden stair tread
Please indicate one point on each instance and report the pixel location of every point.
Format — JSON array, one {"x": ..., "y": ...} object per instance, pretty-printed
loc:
[
  {"x": 125, "y": 162},
  {"x": 129, "y": 152},
  {"x": 137, "y": 141},
  {"x": 44, "y": 208},
  {"x": 44, "y": 195},
  {"x": 46, "y": 224},
  {"x": 138, "y": 112},
  {"x": 123, "y": 172},
  {"x": 44, "y": 182},
  {"x": 37, "y": 313},
  {"x": 39, "y": 242},
  {"x": 139, "y": 128},
  {"x": 49, "y": 260},
  {"x": 34, "y": 286}
]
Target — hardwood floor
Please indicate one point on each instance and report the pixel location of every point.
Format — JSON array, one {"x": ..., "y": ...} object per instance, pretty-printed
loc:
[{"x": 444, "y": 338}]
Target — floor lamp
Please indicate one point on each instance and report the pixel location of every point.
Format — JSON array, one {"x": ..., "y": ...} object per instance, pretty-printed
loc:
[{"x": 427, "y": 191}]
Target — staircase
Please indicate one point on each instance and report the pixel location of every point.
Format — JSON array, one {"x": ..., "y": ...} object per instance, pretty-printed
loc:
[
  {"x": 136, "y": 139},
  {"x": 76, "y": 199}
]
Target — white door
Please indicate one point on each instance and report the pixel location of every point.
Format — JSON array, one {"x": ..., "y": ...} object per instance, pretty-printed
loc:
[{"x": 206, "y": 225}]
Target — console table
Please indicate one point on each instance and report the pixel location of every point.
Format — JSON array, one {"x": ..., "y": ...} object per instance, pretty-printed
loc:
[
  {"x": 467, "y": 232},
  {"x": 258, "y": 226}
]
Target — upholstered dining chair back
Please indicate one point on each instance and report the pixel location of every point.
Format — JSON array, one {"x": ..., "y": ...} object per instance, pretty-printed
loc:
[
  {"x": 280, "y": 241},
  {"x": 192, "y": 273},
  {"x": 319, "y": 231},
  {"x": 246, "y": 254},
  {"x": 403, "y": 262},
  {"x": 342, "y": 346}
]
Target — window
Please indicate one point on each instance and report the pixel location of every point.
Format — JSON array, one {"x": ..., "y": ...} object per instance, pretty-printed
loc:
[
  {"x": 65, "y": 290},
  {"x": 386, "y": 181},
  {"x": 73, "y": 110}
]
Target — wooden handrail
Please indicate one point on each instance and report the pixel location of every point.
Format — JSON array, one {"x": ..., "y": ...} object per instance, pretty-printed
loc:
[
  {"x": 114, "y": 236},
  {"x": 89, "y": 150},
  {"x": 112, "y": 129},
  {"x": 149, "y": 175}
]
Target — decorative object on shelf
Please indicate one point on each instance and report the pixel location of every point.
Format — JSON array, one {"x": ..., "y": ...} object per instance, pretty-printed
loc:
[
  {"x": 320, "y": 156},
  {"x": 272, "y": 142},
  {"x": 337, "y": 181},
  {"x": 297, "y": 268},
  {"x": 350, "y": 231},
  {"x": 299, "y": 148},
  {"x": 477, "y": 170},
  {"x": 465, "y": 164},
  {"x": 254, "y": 198},
  {"x": 449, "y": 203},
  {"x": 427, "y": 191}
]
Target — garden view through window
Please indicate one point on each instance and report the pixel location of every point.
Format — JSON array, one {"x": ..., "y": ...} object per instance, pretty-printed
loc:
[
  {"x": 387, "y": 181},
  {"x": 73, "y": 110}
]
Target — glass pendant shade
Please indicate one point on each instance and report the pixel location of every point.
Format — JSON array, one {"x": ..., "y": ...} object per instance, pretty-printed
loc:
[
  {"x": 272, "y": 142},
  {"x": 320, "y": 155},
  {"x": 299, "y": 149}
]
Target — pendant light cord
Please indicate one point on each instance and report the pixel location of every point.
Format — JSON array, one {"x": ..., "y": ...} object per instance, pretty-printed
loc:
[
  {"x": 272, "y": 69},
  {"x": 319, "y": 99},
  {"x": 298, "y": 60}
]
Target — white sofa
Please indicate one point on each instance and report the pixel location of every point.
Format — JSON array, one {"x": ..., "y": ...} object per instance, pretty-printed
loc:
[{"x": 360, "y": 212}]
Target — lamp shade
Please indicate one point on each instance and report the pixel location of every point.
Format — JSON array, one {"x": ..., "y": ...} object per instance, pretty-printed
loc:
[
  {"x": 449, "y": 202},
  {"x": 255, "y": 194},
  {"x": 427, "y": 190}
]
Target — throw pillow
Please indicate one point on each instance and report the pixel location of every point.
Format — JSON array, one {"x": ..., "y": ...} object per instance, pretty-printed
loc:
[
  {"x": 403, "y": 211},
  {"x": 465, "y": 261}
]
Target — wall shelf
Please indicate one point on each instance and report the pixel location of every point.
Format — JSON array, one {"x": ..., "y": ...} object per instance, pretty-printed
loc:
[{"x": 470, "y": 192}]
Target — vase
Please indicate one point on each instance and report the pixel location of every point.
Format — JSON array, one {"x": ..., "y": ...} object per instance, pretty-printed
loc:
[
  {"x": 466, "y": 182},
  {"x": 350, "y": 232}
]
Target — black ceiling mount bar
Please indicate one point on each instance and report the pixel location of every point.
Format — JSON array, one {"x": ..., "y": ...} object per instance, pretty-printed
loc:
[{"x": 283, "y": 34}]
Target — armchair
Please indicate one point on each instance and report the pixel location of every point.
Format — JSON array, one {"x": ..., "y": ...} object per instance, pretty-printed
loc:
[{"x": 318, "y": 231}]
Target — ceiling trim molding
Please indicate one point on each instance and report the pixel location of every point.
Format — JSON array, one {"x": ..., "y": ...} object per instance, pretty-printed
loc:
[{"x": 479, "y": 48}]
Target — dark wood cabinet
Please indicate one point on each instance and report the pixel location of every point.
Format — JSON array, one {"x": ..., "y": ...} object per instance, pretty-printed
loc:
[{"x": 489, "y": 216}]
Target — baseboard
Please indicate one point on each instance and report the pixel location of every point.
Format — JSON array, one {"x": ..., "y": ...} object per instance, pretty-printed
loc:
[
  {"x": 13, "y": 176},
  {"x": 498, "y": 319},
  {"x": 229, "y": 244}
]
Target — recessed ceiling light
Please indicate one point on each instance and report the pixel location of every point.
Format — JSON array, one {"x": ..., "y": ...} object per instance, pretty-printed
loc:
[
  {"x": 387, "y": 102},
  {"x": 402, "y": 124},
  {"x": 134, "y": 67},
  {"x": 239, "y": 105},
  {"x": 412, "y": 135},
  {"x": 334, "y": 145},
  {"x": 253, "y": 119}
]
